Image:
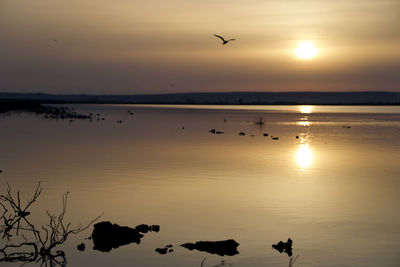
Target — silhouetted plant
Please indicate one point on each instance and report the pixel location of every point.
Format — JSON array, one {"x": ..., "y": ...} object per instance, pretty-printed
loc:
[
  {"x": 14, "y": 211},
  {"x": 292, "y": 260},
  {"x": 27, "y": 243},
  {"x": 260, "y": 121},
  {"x": 286, "y": 247}
]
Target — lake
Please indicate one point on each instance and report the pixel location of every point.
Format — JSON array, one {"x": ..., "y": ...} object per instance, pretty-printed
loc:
[{"x": 334, "y": 190}]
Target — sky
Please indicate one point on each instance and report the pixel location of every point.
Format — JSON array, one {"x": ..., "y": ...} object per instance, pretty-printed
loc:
[{"x": 158, "y": 46}]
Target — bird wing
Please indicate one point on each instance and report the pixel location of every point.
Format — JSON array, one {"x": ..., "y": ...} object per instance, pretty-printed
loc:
[
  {"x": 231, "y": 40},
  {"x": 220, "y": 37}
]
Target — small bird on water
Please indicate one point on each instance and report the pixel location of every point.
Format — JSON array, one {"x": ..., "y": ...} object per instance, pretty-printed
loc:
[{"x": 224, "y": 42}]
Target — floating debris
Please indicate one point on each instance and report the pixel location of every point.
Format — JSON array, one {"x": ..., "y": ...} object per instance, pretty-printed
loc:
[
  {"x": 275, "y": 138},
  {"x": 242, "y": 134},
  {"x": 284, "y": 247},
  {"x": 297, "y": 137},
  {"x": 260, "y": 122},
  {"x": 213, "y": 131},
  {"x": 81, "y": 247},
  {"x": 119, "y": 121},
  {"x": 222, "y": 248},
  {"x": 265, "y": 134},
  {"x": 165, "y": 250}
]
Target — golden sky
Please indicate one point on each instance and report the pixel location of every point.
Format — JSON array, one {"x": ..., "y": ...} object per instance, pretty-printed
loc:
[{"x": 144, "y": 46}]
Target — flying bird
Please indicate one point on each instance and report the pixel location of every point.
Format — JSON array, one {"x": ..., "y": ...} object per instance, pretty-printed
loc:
[{"x": 224, "y": 42}]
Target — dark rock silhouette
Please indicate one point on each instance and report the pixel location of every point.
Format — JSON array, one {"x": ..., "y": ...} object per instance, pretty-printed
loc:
[
  {"x": 161, "y": 250},
  {"x": 107, "y": 236},
  {"x": 165, "y": 250},
  {"x": 155, "y": 228},
  {"x": 213, "y": 131},
  {"x": 242, "y": 134},
  {"x": 81, "y": 247},
  {"x": 144, "y": 228},
  {"x": 222, "y": 248},
  {"x": 284, "y": 247}
]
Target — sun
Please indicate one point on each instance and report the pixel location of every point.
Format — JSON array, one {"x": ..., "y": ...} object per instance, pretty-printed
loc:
[{"x": 306, "y": 50}]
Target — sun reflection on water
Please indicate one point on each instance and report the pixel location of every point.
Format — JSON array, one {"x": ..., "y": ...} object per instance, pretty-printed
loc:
[
  {"x": 305, "y": 109},
  {"x": 304, "y": 123},
  {"x": 304, "y": 153},
  {"x": 304, "y": 156}
]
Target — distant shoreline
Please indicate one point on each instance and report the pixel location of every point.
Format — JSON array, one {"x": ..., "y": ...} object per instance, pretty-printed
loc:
[{"x": 232, "y": 98}]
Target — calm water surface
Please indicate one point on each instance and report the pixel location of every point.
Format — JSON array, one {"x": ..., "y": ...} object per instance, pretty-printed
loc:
[{"x": 335, "y": 190}]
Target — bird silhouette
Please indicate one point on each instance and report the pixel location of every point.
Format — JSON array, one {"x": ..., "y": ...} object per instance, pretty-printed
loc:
[{"x": 224, "y": 42}]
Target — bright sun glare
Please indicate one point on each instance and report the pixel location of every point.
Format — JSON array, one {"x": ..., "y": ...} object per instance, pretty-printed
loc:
[
  {"x": 305, "y": 109},
  {"x": 306, "y": 50},
  {"x": 304, "y": 156}
]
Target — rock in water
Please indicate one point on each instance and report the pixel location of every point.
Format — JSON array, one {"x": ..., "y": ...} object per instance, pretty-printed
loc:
[
  {"x": 222, "y": 248},
  {"x": 107, "y": 236},
  {"x": 142, "y": 228},
  {"x": 284, "y": 247},
  {"x": 161, "y": 250},
  {"x": 81, "y": 247}
]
